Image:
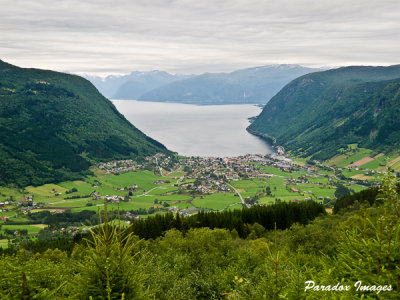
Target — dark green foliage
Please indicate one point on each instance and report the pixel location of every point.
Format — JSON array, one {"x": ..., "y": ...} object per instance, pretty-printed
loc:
[
  {"x": 368, "y": 249},
  {"x": 319, "y": 113},
  {"x": 369, "y": 196},
  {"x": 347, "y": 201},
  {"x": 282, "y": 214},
  {"x": 54, "y": 125},
  {"x": 107, "y": 264},
  {"x": 67, "y": 218},
  {"x": 341, "y": 191}
]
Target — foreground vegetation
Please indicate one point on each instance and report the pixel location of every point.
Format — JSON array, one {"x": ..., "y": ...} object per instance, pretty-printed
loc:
[{"x": 358, "y": 244}]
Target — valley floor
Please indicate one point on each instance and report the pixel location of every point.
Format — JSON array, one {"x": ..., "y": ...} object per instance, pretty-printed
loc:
[{"x": 186, "y": 185}]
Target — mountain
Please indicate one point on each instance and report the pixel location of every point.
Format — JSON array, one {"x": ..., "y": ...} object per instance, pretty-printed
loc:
[
  {"x": 53, "y": 126},
  {"x": 254, "y": 85},
  {"x": 319, "y": 113},
  {"x": 145, "y": 82},
  {"x": 110, "y": 84},
  {"x": 135, "y": 84}
]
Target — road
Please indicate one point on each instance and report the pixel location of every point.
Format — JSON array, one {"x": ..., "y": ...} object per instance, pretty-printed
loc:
[{"x": 240, "y": 196}]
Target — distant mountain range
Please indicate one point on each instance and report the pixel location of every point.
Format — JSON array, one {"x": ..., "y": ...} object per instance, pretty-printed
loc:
[
  {"x": 134, "y": 85},
  {"x": 247, "y": 86},
  {"x": 53, "y": 126},
  {"x": 319, "y": 113}
]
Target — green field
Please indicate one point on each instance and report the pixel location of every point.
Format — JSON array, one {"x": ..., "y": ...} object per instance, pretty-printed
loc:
[
  {"x": 158, "y": 190},
  {"x": 84, "y": 188},
  {"x": 380, "y": 162},
  {"x": 71, "y": 202},
  {"x": 323, "y": 180},
  {"x": 349, "y": 157},
  {"x": 144, "y": 179},
  {"x": 166, "y": 194},
  {"x": 6, "y": 193},
  {"x": 4, "y": 243},
  {"x": 216, "y": 201},
  {"x": 250, "y": 187},
  {"x": 235, "y": 206},
  {"x": 30, "y": 228}
]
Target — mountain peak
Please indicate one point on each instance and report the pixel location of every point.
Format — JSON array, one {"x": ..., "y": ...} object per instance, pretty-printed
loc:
[{"x": 246, "y": 86}]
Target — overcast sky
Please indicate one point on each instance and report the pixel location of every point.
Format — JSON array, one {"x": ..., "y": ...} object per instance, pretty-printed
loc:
[{"x": 194, "y": 36}]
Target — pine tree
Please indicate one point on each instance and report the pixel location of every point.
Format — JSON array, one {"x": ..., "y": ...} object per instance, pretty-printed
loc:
[{"x": 108, "y": 266}]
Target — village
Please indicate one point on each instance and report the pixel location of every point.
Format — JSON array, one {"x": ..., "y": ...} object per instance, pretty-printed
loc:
[{"x": 277, "y": 177}]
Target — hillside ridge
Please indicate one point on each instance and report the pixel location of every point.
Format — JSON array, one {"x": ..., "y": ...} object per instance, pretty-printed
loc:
[
  {"x": 319, "y": 113},
  {"x": 53, "y": 126}
]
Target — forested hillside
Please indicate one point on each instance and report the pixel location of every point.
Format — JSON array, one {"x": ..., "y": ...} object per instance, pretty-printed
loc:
[
  {"x": 319, "y": 113},
  {"x": 54, "y": 125}
]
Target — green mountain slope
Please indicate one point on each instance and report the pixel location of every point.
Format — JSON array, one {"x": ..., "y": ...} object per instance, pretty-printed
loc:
[
  {"x": 253, "y": 85},
  {"x": 319, "y": 113},
  {"x": 53, "y": 125}
]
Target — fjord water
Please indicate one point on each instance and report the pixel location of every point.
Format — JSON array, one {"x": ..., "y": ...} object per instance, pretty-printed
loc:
[{"x": 191, "y": 130}]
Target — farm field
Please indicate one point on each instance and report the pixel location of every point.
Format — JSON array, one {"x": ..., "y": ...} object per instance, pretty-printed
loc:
[
  {"x": 203, "y": 186},
  {"x": 216, "y": 201},
  {"x": 3, "y": 243},
  {"x": 149, "y": 194},
  {"x": 6, "y": 193},
  {"x": 30, "y": 228},
  {"x": 349, "y": 156},
  {"x": 365, "y": 158},
  {"x": 394, "y": 163}
]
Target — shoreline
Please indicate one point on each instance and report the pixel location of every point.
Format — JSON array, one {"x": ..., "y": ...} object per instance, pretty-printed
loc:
[{"x": 271, "y": 140}]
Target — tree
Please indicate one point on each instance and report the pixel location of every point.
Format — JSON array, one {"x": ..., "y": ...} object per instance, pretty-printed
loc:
[
  {"x": 368, "y": 249},
  {"x": 268, "y": 190},
  {"x": 341, "y": 191},
  {"x": 107, "y": 264}
]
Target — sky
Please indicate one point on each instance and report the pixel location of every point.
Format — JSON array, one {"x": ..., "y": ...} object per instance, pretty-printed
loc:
[{"x": 103, "y": 37}]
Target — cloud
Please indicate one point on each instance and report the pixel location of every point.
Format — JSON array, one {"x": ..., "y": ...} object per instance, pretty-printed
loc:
[{"x": 196, "y": 36}]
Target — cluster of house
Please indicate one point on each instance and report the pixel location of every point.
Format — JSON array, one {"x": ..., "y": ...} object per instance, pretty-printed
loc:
[
  {"x": 207, "y": 186},
  {"x": 71, "y": 230},
  {"x": 129, "y": 188},
  {"x": 122, "y": 166},
  {"x": 2, "y": 206},
  {"x": 159, "y": 159},
  {"x": 4, "y": 209},
  {"x": 161, "y": 181},
  {"x": 24, "y": 205},
  {"x": 27, "y": 204},
  {"x": 230, "y": 167},
  {"x": 132, "y": 216},
  {"x": 119, "y": 166},
  {"x": 112, "y": 198},
  {"x": 25, "y": 200}
]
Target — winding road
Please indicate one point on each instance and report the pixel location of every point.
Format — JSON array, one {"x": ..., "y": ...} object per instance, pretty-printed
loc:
[{"x": 240, "y": 196}]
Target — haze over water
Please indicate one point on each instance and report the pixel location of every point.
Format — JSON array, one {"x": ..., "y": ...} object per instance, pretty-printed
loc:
[{"x": 191, "y": 130}]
